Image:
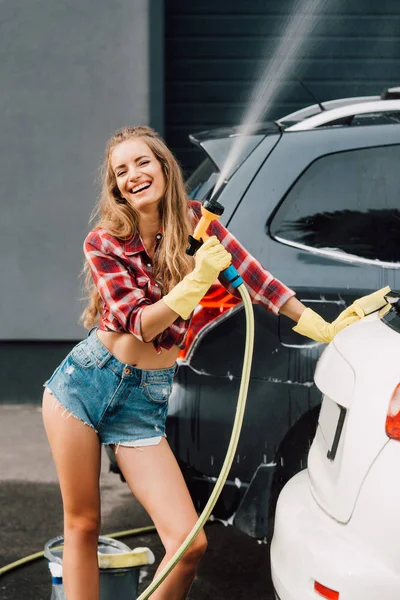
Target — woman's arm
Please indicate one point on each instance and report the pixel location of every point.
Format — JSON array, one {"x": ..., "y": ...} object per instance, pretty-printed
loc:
[
  {"x": 159, "y": 315},
  {"x": 263, "y": 287},
  {"x": 155, "y": 319},
  {"x": 293, "y": 309},
  {"x": 210, "y": 259}
]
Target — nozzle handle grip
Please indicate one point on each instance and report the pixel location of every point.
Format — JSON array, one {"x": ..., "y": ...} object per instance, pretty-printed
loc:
[{"x": 210, "y": 211}]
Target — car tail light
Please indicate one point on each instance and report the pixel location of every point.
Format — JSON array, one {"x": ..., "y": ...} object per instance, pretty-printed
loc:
[
  {"x": 325, "y": 591},
  {"x": 393, "y": 416},
  {"x": 216, "y": 303}
]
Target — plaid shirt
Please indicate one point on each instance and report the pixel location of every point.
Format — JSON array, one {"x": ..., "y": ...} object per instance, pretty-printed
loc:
[{"x": 123, "y": 274}]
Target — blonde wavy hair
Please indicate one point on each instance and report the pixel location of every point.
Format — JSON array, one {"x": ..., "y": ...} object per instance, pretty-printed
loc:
[{"x": 118, "y": 218}]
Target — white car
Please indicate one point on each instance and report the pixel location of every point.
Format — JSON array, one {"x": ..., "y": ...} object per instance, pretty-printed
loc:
[{"x": 337, "y": 525}]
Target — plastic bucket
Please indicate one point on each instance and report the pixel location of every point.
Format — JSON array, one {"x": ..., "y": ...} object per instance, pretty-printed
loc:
[{"x": 115, "y": 583}]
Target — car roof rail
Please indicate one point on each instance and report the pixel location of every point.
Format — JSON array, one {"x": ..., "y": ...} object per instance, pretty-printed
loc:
[
  {"x": 338, "y": 116},
  {"x": 314, "y": 109},
  {"x": 338, "y": 112}
]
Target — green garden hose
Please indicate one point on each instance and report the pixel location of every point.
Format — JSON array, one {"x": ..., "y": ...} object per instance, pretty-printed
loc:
[{"x": 237, "y": 426}]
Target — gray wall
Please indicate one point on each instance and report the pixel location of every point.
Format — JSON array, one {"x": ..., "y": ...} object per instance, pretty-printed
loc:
[{"x": 71, "y": 73}]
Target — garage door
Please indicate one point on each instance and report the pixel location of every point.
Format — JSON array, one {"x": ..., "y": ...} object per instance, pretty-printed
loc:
[{"x": 216, "y": 48}]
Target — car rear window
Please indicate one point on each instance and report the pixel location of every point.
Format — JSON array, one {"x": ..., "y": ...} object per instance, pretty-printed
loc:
[{"x": 347, "y": 202}]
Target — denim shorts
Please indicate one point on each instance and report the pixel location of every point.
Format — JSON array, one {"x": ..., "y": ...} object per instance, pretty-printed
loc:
[{"x": 125, "y": 406}]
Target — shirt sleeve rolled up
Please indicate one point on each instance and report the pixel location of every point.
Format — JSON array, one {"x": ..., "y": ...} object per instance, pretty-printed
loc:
[{"x": 262, "y": 286}]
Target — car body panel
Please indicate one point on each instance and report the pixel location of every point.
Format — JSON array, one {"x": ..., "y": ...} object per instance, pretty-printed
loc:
[
  {"x": 335, "y": 484},
  {"x": 336, "y": 522},
  {"x": 309, "y": 546}
]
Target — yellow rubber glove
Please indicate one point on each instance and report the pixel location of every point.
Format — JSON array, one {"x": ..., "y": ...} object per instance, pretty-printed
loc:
[
  {"x": 211, "y": 259},
  {"x": 368, "y": 304},
  {"x": 315, "y": 327}
]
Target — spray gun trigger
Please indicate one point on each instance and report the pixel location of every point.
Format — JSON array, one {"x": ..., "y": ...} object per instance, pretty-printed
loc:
[{"x": 194, "y": 245}]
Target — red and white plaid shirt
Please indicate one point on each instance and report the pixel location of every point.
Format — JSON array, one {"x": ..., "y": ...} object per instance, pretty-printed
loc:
[{"x": 123, "y": 274}]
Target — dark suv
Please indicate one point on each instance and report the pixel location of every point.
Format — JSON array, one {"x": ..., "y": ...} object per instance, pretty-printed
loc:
[{"x": 315, "y": 198}]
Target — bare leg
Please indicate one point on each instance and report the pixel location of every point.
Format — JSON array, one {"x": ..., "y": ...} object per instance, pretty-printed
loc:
[
  {"x": 76, "y": 452},
  {"x": 154, "y": 477}
]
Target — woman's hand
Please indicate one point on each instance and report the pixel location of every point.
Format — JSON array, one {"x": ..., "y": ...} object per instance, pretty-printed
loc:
[
  {"x": 211, "y": 259},
  {"x": 315, "y": 327},
  {"x": 368, "y": 304}
]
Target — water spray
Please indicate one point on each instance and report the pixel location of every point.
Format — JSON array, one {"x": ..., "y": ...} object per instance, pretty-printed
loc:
[{"x": 290, "y": 48}]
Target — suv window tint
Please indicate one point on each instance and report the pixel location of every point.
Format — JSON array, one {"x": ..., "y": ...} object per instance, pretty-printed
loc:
[{"x": 347, "y": 201}]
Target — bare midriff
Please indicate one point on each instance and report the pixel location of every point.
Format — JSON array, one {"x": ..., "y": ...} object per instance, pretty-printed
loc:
[{"x": 131, "y": 351}]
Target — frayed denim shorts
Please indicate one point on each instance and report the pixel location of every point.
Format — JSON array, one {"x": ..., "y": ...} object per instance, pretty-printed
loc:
[{"x": 125, "y": 406}]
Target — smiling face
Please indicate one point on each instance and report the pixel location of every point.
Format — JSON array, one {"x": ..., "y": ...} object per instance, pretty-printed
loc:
[{"x": 138, "y": 174}]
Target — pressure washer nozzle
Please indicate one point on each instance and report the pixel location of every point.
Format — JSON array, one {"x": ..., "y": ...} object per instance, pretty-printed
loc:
[
  {"x": 210, "y": 211},
  {"x": 213, "y": 207}
]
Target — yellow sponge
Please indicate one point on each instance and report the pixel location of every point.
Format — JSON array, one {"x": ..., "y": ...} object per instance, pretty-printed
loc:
[{"x": 134, "y": 558}]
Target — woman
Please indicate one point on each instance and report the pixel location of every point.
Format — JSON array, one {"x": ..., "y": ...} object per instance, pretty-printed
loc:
[{"x": 117, "y": 381}]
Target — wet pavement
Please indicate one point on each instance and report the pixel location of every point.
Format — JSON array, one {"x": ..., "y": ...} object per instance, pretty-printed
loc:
[{"x": 235, "y": 566}]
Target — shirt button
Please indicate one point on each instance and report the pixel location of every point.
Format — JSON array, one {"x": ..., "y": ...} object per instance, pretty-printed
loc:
[{"x": 127, "y": 371}]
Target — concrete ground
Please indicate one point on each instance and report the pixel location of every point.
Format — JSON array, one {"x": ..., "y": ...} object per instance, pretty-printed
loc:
[{"x": 235, "y": 566}]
